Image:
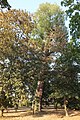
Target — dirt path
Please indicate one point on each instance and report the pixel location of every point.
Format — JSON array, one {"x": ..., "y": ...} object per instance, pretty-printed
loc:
[{"x": 46, "y": 114}]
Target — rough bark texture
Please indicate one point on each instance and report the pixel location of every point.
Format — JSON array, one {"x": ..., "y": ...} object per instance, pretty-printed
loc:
[{"x": 37, "y": 103}]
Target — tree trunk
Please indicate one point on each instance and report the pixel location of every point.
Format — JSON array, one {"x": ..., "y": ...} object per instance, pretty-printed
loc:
[
  {"x": 56, "y": 106},
  {"x": 38, "y": 97},
  {"x": 1, "y": 114},
  {"x": 40, "y": 103},
  {"x": 65, "y": 106}
]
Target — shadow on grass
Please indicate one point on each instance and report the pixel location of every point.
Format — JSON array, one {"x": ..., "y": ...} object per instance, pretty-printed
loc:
[
  {"x": 59, "y": 113},
  {"x": 47, "y": 111}
]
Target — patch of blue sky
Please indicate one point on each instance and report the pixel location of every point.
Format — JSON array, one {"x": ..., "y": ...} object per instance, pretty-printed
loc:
[{"x": 30, "y": 5}]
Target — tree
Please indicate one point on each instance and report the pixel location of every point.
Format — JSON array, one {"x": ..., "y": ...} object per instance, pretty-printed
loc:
[
  {"x": 51, "y": 32},
  {"x": 5, "y": 4},
  {"x": 22, "y": 61},
  {"x": 14, "y": 29},
  {"x": 66, "y": 69},
  {"x": 37, "y": 72},
  {"x": 73, "y": 13},
  {"x": 73, "y": 59}
]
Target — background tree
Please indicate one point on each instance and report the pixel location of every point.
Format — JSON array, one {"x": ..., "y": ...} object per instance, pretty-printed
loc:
[
  {"x": 22, "y": 60},
  {"x": 66, "y": 68},
  {"x": 14, "y": 29},
  {"x": 73, "y": 13},
  {"x": 5, "y": 4},
  {"x": 65, "y": 80}
]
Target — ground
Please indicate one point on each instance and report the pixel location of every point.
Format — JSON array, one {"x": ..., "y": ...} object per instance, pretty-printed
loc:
[{"x": 46, "y": 114}]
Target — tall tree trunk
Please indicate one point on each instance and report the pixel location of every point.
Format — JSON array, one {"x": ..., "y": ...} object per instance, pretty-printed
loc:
[
  {"x": 65, "y": 106},
  {"x": 38, "y": 97}
]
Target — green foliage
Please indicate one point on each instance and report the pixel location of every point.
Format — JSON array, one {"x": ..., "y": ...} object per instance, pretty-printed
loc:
[
  {"x": 73, "y": 12},
  {"x": 37, "y": 50},
  {"x": 22, "y": 61},
  {"x": 14, "y": 29},
  {"x": 47, "y": 18},
  {"x": 66, "y": 68}
]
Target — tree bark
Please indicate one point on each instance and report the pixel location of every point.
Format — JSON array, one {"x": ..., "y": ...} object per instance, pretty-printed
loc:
[
  {"x": 65, "y": 107},
  {"x": 38, "y": 97}
]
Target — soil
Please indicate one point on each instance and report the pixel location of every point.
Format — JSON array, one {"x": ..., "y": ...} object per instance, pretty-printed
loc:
[{"x": 46, "y": 114}]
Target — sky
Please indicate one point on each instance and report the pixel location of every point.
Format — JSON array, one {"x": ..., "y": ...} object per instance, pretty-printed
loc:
[{"x": 30, "y": 5}]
